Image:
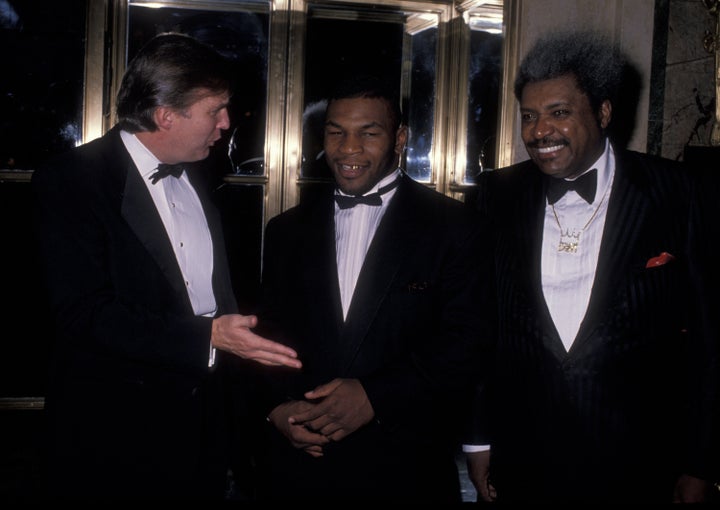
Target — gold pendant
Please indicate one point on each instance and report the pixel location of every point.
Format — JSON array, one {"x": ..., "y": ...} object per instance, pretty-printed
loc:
[
  {"x": 570, "y": 247},
  {"x": 569, "y": 241}
]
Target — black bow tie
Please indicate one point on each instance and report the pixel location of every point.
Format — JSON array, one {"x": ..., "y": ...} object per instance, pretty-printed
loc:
[
  {"x": 348, "y": 201},
  {"x": 584, "y": 185},
  {"x": 164, "y": 169}
]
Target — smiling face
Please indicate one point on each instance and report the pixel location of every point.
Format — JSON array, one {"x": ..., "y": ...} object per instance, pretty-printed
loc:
[
  {"x": 562, "y": 134},
  {"x": 361, "y": 144}
]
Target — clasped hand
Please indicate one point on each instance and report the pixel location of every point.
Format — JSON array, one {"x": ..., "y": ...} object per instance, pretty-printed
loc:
[{"x": 330, "y": 412}]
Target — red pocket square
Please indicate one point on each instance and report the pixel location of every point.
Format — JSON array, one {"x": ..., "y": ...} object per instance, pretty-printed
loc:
[{"x": 661, "y": 259}]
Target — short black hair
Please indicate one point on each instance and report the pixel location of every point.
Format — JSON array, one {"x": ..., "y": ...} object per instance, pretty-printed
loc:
[{"x": 369, "y": 86}]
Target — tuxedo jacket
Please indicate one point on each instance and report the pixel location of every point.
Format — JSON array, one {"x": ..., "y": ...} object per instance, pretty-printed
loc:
[
  {"x": 633, "y": 403},
  {"x": 416, "y": 335},
  {"x": 130, "y": 388}
]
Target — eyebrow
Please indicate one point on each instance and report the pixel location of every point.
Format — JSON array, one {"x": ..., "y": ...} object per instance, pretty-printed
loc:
[{"x": 364, "y": 126}]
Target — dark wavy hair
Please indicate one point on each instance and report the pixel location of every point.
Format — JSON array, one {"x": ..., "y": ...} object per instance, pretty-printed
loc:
[
  {"x": 597, "y": 65},
  {"x": 172, "y": 70}
]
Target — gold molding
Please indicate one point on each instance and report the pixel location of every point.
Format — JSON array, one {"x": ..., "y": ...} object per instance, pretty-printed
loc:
[
  {"x": 22, "y": 404},
  {"x": 15, "y": 175},
  {"x": 507, "y": 111},
  {"x": 93, "y": 91},
  {"x": 712, "y": 44}
]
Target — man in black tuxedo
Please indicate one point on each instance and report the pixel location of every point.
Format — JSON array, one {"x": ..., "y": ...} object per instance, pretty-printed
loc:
[
  {"x": 605, "y": 379},
  {"x": 139, "y": 286},
  {"x": 378, "y": 284}
]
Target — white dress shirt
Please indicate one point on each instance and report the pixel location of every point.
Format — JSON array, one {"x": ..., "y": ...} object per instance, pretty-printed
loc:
[
  {"x": 184, "y": 219},
  {"x": 354, "y": 231},
  {"x": 567, "y": 278}
]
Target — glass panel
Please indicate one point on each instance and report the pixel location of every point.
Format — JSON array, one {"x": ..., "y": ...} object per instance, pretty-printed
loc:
[
  {"x": 337, "y": 38},
  {"x": 485, "y": 75},
  {"x": 41, "y": 64},
  {"x": 421, "y": 105},
  {"x": 242, "y": 36}
]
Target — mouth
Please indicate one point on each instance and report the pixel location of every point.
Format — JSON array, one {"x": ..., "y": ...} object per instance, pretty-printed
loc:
[
  {"x": 546, "y": 151},
  {"x": 350, "y": 170},
  {"x": 549, "y": 150}
]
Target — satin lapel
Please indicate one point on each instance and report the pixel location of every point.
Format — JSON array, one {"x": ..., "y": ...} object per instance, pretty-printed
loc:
[
  {"x": 318, "y": 259},
  {"x": 532, "y": 205},
  {"x": 141, "y": 215},
  {"x": 389, "y": 249},
  {"x": 627, "y": 212}
]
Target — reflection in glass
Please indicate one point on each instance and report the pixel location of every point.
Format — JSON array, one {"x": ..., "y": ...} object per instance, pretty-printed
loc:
[
  {"x": 486, "y": 41},
  {"x": 242, "y": 37},
  {"x": 314, "y": 165},
  {"x": 42, "y": 52},
  {"x": 421, "y": 105}
]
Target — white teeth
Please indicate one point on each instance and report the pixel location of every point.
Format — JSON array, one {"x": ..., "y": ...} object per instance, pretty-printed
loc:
[
  {"x": 545, "y": 150},
  {"x": 352, "y": 167}
]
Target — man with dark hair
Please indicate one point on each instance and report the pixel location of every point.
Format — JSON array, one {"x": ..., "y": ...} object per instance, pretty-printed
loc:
[
  {"x": 139, "y": 286},
  {"x": 605, "y": 380},
  {"x": 379, "y": 286}
]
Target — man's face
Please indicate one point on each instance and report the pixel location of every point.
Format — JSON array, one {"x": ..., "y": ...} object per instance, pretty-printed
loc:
[
  {"x": 562, "y": 134},
  {"x": 361, "y": 145},
  {"x": 196, "y": 129}
]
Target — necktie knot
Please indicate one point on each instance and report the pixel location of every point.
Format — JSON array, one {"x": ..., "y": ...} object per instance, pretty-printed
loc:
[
  {"x": 375, "y": 199},
  {"x": 165, "y": 169},
  {"x": 585, "y": 186}
]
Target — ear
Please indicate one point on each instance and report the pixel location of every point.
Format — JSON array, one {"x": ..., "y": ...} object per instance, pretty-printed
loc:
[
  {"x": 401, "y": 137},
  {"x": 163, "y": 117},
  {"x": 605, "y": 114}
]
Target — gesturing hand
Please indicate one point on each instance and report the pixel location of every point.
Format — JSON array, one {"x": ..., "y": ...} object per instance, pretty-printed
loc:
[
  {"x": 232, "y": 333},
  {"x": 339, "y": 408}
]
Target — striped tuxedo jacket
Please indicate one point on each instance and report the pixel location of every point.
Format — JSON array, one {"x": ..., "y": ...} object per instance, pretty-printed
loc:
[{"x": 633, "y": 403}]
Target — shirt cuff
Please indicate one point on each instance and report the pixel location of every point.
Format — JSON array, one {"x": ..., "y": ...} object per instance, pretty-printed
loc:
[{"x": 470, "y": 448}]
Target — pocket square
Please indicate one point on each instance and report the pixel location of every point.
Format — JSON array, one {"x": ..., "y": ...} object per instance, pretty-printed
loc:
[
  {"x": 660, "y": 260},
  {"x": 417, "y": 286}
]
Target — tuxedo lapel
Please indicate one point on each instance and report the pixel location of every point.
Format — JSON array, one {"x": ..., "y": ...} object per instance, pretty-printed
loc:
[
  {"x": 388, "y": 250},
  {"x": 319, "y": 263},
  {"x": 532, "y": 206},
  {"x": 627, "y": 212},
  {"x": 141, "y": 215},
  {"x": 521, "y": 254},
  {"x": 536, "y": 204}
]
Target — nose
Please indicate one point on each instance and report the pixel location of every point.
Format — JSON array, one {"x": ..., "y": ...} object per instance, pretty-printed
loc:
[
  {"x": 224, "y": 119},
  {"x": 350, "y": 144},
  {"x": 543, "y": 127}
]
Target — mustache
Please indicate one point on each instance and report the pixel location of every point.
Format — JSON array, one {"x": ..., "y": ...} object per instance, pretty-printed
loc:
[{"x": 546, "y": 142}]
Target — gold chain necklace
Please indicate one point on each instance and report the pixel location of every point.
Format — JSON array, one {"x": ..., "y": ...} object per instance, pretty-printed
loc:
[{"x": 570, "y": 240}]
